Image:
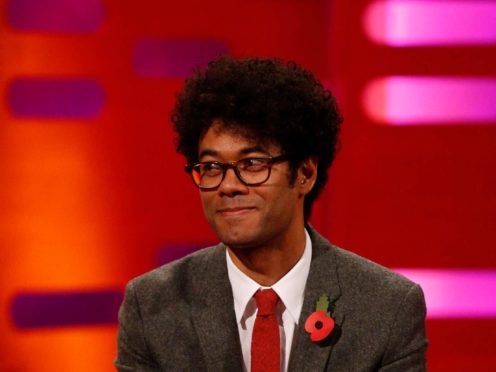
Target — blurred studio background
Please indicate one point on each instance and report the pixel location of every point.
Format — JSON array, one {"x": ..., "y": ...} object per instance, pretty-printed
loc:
[{"x": 93, "y": 194}]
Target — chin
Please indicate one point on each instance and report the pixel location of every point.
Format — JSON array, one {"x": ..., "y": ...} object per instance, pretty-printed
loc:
[
  {"x": 236, "y": 238},
  {"x": 235, "y": 241},
  {"x": 234, "y": 230}
]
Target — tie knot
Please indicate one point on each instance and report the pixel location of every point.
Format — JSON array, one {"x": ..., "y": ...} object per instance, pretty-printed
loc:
[{"x": 266, "y": 301}]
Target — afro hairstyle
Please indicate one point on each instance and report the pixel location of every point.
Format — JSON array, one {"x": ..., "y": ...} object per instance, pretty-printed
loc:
[{"x": 268, "y": 100}]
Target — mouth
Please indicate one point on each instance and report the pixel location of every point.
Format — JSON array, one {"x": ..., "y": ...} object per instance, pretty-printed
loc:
[{"x": 236, "y": 211}]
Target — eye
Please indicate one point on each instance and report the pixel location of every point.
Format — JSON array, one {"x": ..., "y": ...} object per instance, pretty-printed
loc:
[
  {"x": 210, "y": 169},
  {"x": 253, "y": 164}
]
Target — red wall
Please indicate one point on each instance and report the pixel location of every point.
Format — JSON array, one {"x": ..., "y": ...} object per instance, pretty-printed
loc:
[
  {"x": 415, "y": 196},
  {"x": 87, "y": 204}
]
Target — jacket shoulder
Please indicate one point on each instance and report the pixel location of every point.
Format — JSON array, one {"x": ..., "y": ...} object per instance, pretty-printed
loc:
[
  {"x": 356, "y": 269},
  {"x": 175, "y": 280},
  {"x": 357, "y": 275}
]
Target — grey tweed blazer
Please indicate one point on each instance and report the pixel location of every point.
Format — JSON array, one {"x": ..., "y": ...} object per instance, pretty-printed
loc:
[{"x": 180, "y": 317}]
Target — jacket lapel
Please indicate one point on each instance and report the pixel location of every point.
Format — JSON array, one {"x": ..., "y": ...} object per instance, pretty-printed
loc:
[
  {"x": 213, "y": 314},
  {"x": 323, "y": 279}
]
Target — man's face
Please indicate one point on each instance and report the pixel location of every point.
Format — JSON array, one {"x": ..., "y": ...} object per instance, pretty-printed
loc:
[{"x": 249, "y": 216}]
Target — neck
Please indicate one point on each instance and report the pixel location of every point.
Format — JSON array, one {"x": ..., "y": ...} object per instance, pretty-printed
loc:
[{"x": 268, "y": 263}]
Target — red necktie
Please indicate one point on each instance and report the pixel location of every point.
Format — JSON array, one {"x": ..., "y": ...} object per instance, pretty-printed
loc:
[{"x": 265, "y": 349}]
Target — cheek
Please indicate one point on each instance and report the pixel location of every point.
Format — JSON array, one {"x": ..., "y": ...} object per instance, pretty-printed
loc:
[
  {"x": 282, "y": 204},
  {"x": 207, "y": 204}
]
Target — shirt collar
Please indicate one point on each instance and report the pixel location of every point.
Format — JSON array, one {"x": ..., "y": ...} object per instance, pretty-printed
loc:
[{"x": 290, "y": 288}]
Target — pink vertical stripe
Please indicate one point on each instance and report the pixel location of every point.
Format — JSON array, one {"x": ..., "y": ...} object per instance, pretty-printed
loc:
[
  {"x": 454, "y": 293},
  {"x": 408, "y": 100},
  {"x": 411, "y": 23}
]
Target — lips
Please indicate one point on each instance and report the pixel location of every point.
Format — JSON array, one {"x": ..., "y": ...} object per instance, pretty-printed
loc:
[{"x": 235, "y": 211}]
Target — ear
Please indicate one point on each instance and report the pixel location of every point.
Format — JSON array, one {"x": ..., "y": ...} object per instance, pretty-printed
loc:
[{"x": 307, "y": 175}]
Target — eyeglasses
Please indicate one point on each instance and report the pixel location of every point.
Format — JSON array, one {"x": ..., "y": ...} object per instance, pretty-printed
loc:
[{"x": 209, "y": 175}]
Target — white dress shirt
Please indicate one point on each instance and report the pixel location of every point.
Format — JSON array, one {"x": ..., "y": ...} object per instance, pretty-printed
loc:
[{"x": 290, "y": 289}]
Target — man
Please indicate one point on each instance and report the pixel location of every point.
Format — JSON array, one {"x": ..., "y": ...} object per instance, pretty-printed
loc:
[{"x": 259, "y": 136}]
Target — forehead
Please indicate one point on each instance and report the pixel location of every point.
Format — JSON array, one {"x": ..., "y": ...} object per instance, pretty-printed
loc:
[{"x": 232, "y": 140}]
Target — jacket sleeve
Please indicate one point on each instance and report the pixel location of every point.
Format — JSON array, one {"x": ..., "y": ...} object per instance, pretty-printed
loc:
[
  {"x": 407, "y": 345},
  {"x": 132, "y": 350}
]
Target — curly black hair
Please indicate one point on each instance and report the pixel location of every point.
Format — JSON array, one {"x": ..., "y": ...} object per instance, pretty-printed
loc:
[{"x": 267, "y": 99}]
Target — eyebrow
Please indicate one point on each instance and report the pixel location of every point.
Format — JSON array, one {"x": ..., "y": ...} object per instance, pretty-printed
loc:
[{"x": 244, "y": 151}]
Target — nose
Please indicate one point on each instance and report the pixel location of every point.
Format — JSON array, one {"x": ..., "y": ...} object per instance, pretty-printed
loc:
[{"x": 231, "y": 185}]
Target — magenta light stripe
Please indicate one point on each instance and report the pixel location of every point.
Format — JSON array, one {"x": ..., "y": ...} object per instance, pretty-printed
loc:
[
  {"x": 409, "y": 100},
  {"x": 33, "y": 310},
  {"x": 55, "y": 98},
  {"x": 173, "y": 58},
  {"x": 68, "y": 16},
  {"x": 455, "y": 293},
  {"x": 413, "y": 23}
]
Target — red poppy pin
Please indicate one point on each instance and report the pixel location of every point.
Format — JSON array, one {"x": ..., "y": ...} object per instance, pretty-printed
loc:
[{"x": 320, "y": 324}]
